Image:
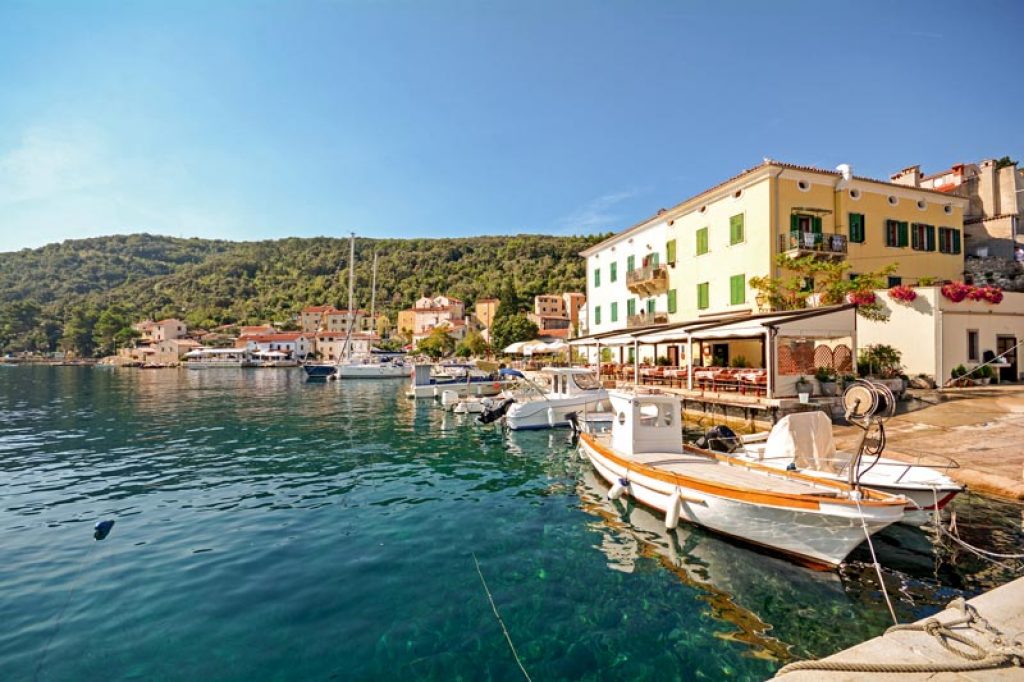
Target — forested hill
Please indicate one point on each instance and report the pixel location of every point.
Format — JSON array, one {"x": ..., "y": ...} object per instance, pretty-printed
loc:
[{"x": 52, "y": 295}]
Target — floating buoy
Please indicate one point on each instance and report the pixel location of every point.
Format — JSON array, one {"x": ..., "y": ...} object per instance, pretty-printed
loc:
[
  {"x": 551, "y": 417},
  {"x": 102, "y": 529},
  {"x": 618, "y": 489},
  {"x": 672, "y": 513}
]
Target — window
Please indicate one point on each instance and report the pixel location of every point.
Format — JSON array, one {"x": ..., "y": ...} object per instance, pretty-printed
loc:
[
  {"x": 615, "y": 312},
  {"x": 800, "y": 222},
  {"x": 650, "y": 306},
  {"x": 857, "y": 228},
  {"x": 895, "y": 281},
  {"x": 670, "y": 252},
  {"x": 736, "y": 229},
  {"x": 597, "y": 314},
  {"x": 630, "y": 263},
  {"x": 702, "y": 241},
  {"x": 702, "y": 296},
  {"x": 972, "y": 345},
  {"x": 651, "y": 260},
  {"x": 895, "y": 233},
  {"x": 613, "y": 272},
  {"x": 737, "y": 289},
  {"x": 949, "y": 240},
  {"x": 855, "y": 194},
  {"x": 803, "y": 185},
  {"x": 948, "y": 209},
  {"x": 922, "y": 237},
  {"x": 671, "y": 300},
  {"x": 597, "y": 277},
  {"x": 631, "y": 307},
  {"x": 808, "y": 285}
]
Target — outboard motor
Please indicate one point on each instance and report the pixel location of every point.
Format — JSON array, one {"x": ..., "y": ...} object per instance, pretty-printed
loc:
[
  {"x": 574, "y": 421},
  {"x": 719, "y": 439},
  {"x": 495, "y": 412}
]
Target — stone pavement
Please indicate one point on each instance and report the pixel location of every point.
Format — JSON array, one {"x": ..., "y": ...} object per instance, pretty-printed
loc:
[{"x": 981, "y": 428}]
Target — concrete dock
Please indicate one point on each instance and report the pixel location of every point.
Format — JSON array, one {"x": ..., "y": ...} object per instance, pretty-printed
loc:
[{"x": 1002, "y": 608}]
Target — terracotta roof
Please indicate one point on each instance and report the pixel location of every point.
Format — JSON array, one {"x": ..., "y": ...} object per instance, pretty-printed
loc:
[
  {"x": 256, "y": 330},
  {"x": 169, "y": 319},
  {"x": 281, "y": 336},
  {"x": 339, "y": 311},
  {"x": 318, "y": 309},
  {"x": 767, "y": 163}
]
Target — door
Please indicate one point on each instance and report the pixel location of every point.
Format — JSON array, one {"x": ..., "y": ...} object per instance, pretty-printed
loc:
[
  {"x": 1007, "y": 344},
  {"x": 673, "y": 356},
  {"x": 720, "y": 355}
]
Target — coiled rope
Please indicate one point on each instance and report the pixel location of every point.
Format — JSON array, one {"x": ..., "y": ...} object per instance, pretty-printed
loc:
[
  {"x": 976, "y": 655},
  {"x": 508, "y": 637}
]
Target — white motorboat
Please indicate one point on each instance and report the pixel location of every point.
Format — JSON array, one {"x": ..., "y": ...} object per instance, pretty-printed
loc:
[
  {"x": 207, "y": 358},
  {"x": 429, "y": 381},
  {"x": 815, "y": 521},
  {"x": 803, "y": 442},
  {"x": 371, "y": 368},
  {"x": 570, "y": 390}
]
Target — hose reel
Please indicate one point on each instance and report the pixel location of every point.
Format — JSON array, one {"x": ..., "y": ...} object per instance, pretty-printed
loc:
[{"x": 868, "y": 404}]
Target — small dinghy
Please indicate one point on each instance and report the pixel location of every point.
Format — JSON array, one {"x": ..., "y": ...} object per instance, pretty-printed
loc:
[{"x": 814, "y": 521}]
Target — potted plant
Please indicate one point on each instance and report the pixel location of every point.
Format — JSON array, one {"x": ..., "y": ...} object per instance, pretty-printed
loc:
[
  {"x": 826, "y": 377},
  {"x": 957, "y": 374},
  {"x": 902, "y": 293},
  {"x": 983, "y": 375},
  {"x": 804, "y": 389}
]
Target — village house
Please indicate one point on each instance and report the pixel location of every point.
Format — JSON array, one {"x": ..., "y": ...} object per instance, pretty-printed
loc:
[
  {"x": 485, "y": 311},
  {"x": 154, "y": 332},
  {"x": 557, "y": 315},
  {"x": 330, "y": 345},
  {"x": 431, "y": 312},
  {"x": 295, "y": 345},
  {"x": 992, "y": 220}
]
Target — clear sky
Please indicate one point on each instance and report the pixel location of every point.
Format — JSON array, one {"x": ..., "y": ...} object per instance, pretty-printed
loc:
[{"x": 250, "y": 119}]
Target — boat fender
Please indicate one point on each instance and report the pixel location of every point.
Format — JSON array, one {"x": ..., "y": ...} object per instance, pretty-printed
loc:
[
  {"x": 102, "y": 529},
  {"x": 672, "y": 513},
  {"x": 551, "y": 416},
  {"x": 618, "y": 489}
]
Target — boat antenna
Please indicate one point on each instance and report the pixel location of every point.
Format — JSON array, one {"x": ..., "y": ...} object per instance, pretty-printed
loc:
[
  {"x": 351, "y": 287},
  {"x": 373, "y": 292}
]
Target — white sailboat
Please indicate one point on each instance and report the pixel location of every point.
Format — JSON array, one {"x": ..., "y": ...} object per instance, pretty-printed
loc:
[{"x": 814, "y": 521}]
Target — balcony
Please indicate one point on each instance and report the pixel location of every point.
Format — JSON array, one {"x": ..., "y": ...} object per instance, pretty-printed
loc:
[
  {"x": 648, "y": 280},
  {"x": 646, "y": 320},
  {"x": 797, "y": 244}
]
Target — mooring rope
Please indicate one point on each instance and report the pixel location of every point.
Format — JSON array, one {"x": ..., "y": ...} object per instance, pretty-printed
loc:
[
  {"x": 508, "y": 637},
  {"x": 60, "y": 614},
  {"x": 976, "y": 655},
  {"x": 977, "y": 551},
  {"x": 874, "y": 560}
]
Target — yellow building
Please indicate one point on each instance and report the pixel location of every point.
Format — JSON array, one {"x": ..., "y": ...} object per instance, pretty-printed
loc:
[{"x": 734, "y": 231}]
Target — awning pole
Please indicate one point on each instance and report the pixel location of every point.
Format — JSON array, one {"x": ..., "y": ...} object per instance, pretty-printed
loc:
[
  {"x": 636, "y": 362},
  {"x": 689, "y": 362},
  {"x": 769, "y": 354}
]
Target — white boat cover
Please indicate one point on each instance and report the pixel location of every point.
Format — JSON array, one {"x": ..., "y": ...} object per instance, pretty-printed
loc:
[{"x": 806, "y": 438}]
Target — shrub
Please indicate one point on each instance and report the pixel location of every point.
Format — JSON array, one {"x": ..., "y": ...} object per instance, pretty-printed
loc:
[
  {"x": 662, "y": 361},
  {"x": 956, "y": 291},
  {"x": 881, "y": 360},
  {"x": 739, "y": 361},
  {"x": 958, "y": 372},
  {"x": 984, "y": 372},
  {"x": 825, "y": 374}
]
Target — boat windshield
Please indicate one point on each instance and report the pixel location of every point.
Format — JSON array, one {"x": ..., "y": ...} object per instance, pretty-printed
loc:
[{"x": 586, "y": 382}]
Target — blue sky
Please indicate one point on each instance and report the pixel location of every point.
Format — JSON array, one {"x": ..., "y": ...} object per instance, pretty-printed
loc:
[{"x": 255, "y": 119}]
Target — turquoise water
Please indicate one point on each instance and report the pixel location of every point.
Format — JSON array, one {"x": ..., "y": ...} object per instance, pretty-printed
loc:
[{"x": 269, "y": 529}]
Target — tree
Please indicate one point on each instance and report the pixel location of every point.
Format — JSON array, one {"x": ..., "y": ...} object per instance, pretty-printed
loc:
[
  {"x": 476, "y": 343},
  {"x": 438, "y": 344},
  {"x": 78, "y": 332},
  {"x": 827, "y": 280},
  {"x": 109, "y": 329},
  {"x": 511, "y": 329},
  {"x": 17, "y": 321}
]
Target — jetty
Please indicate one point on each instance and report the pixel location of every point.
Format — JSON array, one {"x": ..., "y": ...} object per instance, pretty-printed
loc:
[{"x": 983, "y": 630}]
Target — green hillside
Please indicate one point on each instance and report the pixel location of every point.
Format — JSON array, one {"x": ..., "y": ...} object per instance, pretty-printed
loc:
[{"x": 80, "y": 294}]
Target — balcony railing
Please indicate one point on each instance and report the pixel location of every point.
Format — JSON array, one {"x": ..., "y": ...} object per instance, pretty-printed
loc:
[
  {"x": 646, "y": 319},
  {"x": 648, "y": 280},
  {"x": 797, "y": 243}
]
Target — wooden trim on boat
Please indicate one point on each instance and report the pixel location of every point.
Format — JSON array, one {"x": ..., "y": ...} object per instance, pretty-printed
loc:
[{"x": 785, "y": 500}]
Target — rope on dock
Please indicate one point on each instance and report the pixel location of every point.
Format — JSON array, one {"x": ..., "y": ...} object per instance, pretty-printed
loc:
[
  {"x": 508, "y": 637},
  {"x": 977, "y": 657},
  {"x": 874, "y": 560}
]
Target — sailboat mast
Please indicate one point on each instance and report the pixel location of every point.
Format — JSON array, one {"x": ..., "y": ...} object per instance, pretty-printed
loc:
[
  {"x": 351, "y": 292},
  {"x": 373, "y": 290}
]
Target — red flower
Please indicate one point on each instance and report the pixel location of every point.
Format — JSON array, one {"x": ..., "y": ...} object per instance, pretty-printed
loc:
[
  {"x": 902, "y": 293},
  {"x": 862, "y": 297},
  {"x": 956, "y": 291}
]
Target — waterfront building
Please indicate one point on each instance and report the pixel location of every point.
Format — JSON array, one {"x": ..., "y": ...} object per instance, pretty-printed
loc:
[
  {"x": 154, "y": 332},
  {"x": 311, "y": 318},
  {"x": 992, "y": 220},
  {"x": 936, "y": 334},
  {"x": 697, "y": 259},
  {"x": 557, "y": 315},
  {"x": 486, "y": 309},
  {"x": 171, "y": 351},
  {"x": 430, "y": 312},
  {"x": 330, "y": 345},
  {"x": 295, "y": 345},
  {"x": 256, "y": 330}
]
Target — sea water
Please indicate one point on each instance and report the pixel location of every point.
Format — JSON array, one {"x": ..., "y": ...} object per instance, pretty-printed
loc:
[{"x": 271, "y": 529}]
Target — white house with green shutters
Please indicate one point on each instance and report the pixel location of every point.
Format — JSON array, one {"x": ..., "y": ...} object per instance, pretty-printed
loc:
[{"x": 627, "y": 278}]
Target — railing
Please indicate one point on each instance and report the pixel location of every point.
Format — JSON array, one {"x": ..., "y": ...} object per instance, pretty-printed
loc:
[
  {"x": 816, "y": 242},
  {"x": 648, "y": 279},
  {"x": 646, "y": 319}
]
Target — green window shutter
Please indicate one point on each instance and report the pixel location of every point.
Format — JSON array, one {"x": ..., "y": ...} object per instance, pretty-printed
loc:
[
  {"x": 631, "y": 307},
  {"x": 902, "y": 231},
  {"x": 816, "y": 224},
  {"x": 670, "y": 251},
  {"x": 597, "y": 277},
  {"x": 915, "y": 237},
  {"x": 650, "y": 306},
  {"x": 794, "y": 222},
  {"x": 671, "y": 300},
  {"x": 630, "y": 263},
  {"x": 613, "y": 272},
  {"x": 702, "y": 241},
  {"x": 737, "y": 289},
  {"x": 929, "y": 237},
  {"x": 653, "y": 260},
  {"x": 702, "y": 296},
  {"x": 597, "y": 314},
  {"x": 890, "y": 233},
  {"x": 736, "y": 229},
  {"x": 857, "y": 227},
  {"x": 615, "y": 312},
  {"x": 956, "y": 241}
]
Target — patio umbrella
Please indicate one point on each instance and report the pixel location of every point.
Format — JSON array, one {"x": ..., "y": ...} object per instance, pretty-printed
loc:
[
  {"x": 515, "y": 348},
  {"x": 557, "y": 346}
]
